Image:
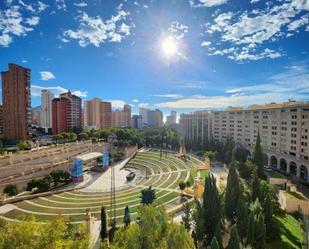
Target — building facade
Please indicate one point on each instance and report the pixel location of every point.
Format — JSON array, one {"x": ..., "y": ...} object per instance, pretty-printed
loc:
[
  {"x": 16, "y": 101},
  {"x": 97, "y": 114},
  {"x": 137, "y": 122},
  {"x": 283, "y": 128},
  {"x": 195, "y": 126},
  {"x": 46, "y": 109},
  {"x": 66, "y": 113},
  {"x": 171, "y": 120},
  {"x": 122, "y": 118},
  {"x": 155, "y": 118},
  {"x": 144, "y": 113}
]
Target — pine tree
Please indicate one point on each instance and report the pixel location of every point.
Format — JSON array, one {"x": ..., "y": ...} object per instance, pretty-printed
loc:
[
  {"x": 127, "y": 217},
  {"x": 214, "y": 243},
  {"x": 258, "y": 157},
  {"x": 103, "y": 232},
  {"x": 212, "y": 208},
  {"x": 234, "y": 239},
  {"x": 232, "y": 193}
]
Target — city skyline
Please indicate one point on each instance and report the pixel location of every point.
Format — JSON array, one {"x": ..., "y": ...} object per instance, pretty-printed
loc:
[{"x": 147, "y": 54}]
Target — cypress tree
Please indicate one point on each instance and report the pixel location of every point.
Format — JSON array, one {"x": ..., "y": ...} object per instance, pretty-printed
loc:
[
  {"x": 212, "y": 209},
  {"x": 103, "y": 232},
  {"x": 127, "y": 217},
  {"x": 214, "y": 243},
  {"x": 219, "y": 236},
  {"x": 232, "y": 193},
  {"x": 255, "y": 186},
  {"x": 258, "y": 157},
  {"x": 234, "y": 239},
  {"x": 242, "y": 214}
]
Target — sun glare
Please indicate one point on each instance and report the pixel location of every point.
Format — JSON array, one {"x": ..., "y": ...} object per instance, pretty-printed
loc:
[{"x": 169, "y": 47}]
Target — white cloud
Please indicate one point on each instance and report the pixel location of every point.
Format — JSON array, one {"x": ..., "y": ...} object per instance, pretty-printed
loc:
[
  {"x": 117, "y": 103},
  {"x": 32, "y": 21},
  {"x": 81, "y": 4},
  {"x": 46, "y": 75},
  {"x": 13, "y": 23},
  {"x": 254, "y": 1},
  {"x": 143, "y": 105},
  {"x": 61, "y": 5},
  {"x": 178, "y": 30},
  {"x": 206, "y": 3},
  {"x": 42, "y": 6},
  {"x": 36, "y": 90},
  {"x": 24, "y": 61},
  {"x": 205, "y": 43},
  {"x": 168, "y": 95},
  {"x": 95, "y": 30},
  {"x": 248, "y": 31},
  {"x": 192, "y": 85},
  {"x": 292, "y": 83},
  {"x": 135, "y": 100}
]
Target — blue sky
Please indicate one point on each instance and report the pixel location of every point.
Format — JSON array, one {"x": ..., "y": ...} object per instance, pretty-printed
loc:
[{"x": 224, "y": 52}]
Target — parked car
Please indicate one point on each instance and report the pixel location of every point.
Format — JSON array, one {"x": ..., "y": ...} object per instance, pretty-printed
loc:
[{"x": 268, "y": 168}]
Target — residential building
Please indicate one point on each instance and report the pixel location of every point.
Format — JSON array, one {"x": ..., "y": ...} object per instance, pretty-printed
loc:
[
  {"x": 66, "y": 113},
  {"x": 144, "y": 113},
  {"x": 171, "y": 120},
  {"x": 35, "y": 116},
  {"x": 1, "y": 121},
  {"x": 16, "y": 101},
  {"x": 97, "y": 114},
  {"x": 283, "y": 128},
  {"x": 122, "y": 118},
  {"x": 137, "y": 122},
  {"x": 46, "y": 109},
  {"x": 195, "y": 126},
  {"x": 155, "y": 118}
]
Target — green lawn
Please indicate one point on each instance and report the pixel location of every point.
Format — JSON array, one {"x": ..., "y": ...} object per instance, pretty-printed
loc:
[{"x": 291, "y": 233}]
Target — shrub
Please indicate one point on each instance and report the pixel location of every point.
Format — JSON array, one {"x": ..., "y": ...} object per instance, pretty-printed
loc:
[{"x": 11, "y": 190}]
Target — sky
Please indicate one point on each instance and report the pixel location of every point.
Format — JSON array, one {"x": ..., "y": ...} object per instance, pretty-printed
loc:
[{"x": 173, "y": 55}]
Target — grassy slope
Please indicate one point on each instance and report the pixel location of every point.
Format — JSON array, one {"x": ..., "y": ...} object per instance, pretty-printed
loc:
[{"x": 291, "y": 233}]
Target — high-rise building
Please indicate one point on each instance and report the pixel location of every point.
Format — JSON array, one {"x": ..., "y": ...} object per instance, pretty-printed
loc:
[
  {"x": 35, "y": 116},
  {"x": 122, "y": 118},
  {"x": 1, "y": 121},
  {"x": 144, "y": 113},
  {"x": 66, "y": 113},
  {"x": 171, "y": 119},
  {"x": 97, "y": 114},
  {"x": 155, "y": 118},
  {"x": 283, "y": 128},
  {"x": 16, "y": 101},
  {"x": 196, "y": 126},
  {"x": 137, "y": 122},
  {"x": 46, "y": 109}
]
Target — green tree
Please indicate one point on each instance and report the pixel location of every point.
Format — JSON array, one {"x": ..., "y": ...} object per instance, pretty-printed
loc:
[
  {"x": 211, "y": 212},
  {"x": 103, "y": 231},
  {"x": 234, "y": 239},
  {"x": 232, "y": 193},
  {"x": 255, "y": 186},
  {"x": 10, "y": 190},
  {"x": 148, "y": 196},
  {"x": 152, "y": 231},
  {"x": 258, "y": 157},
  {"x": 83, "y": 136},
  {"x": 23, "y": 145},
  {"x": 56, "y": 175},
  {"x": 186, "y": 218},
  {"x": 242, "y": 214},
  {"x": 126, "y": 218},
  {"x": 214, "y": 243},
  {"x": 182, "y": 186},
  {"x": 211, "y": 155},
  {"x": 256, "y": 227}
]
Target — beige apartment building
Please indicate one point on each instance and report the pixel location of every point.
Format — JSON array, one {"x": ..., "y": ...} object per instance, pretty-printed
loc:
[
  {"x": 284, "y": 131},
  {"x": 97, "y": 114}
]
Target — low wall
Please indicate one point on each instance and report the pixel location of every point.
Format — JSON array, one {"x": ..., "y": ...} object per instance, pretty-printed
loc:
[
  {"x": 277, "y": 181},
  {"x": 292, "y": 205}
]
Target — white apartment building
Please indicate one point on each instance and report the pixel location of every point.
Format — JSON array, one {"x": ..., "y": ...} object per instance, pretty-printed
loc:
[
  {"x": 284, "y": 131},
  {"x": 195, "y": 126},
  {"x": 46, "y": 109}
]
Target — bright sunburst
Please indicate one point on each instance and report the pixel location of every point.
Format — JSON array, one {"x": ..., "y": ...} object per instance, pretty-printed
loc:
[{"x": 169, "y": 47}]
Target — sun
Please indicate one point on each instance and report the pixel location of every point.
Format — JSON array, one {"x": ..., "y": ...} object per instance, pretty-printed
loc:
[{"x": 169, "y": 47}]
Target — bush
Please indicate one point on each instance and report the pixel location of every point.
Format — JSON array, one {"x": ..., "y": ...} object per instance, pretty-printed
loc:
[
  {"x": 10, "y": 190},
  {"x": 41, "y": 185}
]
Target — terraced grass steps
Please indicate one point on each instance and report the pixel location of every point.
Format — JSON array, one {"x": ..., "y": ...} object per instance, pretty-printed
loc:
[{"x": 164, "y": 175}]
